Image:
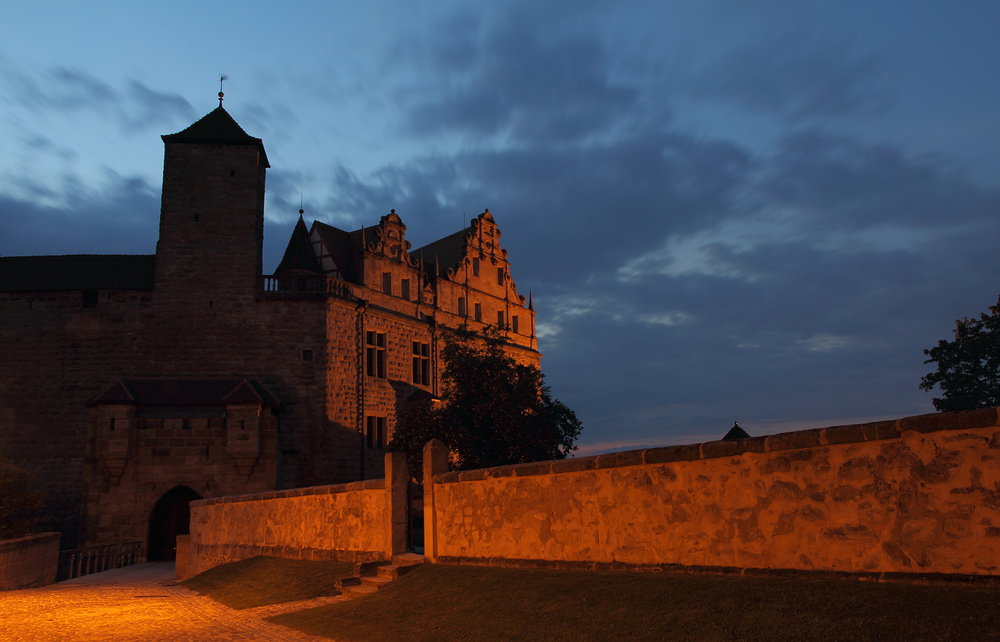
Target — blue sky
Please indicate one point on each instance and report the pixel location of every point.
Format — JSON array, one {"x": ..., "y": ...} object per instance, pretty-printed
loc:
[{"x": 725, "y": 211}]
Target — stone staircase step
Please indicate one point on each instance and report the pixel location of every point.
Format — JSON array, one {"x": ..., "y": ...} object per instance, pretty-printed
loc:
[
  {"x": 373, "y": 575},
  {"x": 375, "y": 580},
  {"x": 408, "y": 559},
  {"x": 359, "y": 589}
]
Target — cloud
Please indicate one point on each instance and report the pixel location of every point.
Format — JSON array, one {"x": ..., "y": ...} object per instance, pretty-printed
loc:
[
  {"x": 840, "y": 181},
  {"x": 516, "y": 82},
  {"x": 120, "y": 218},
  {"x": 62, "y": 89},
  {"x": 797, "y": 80}
]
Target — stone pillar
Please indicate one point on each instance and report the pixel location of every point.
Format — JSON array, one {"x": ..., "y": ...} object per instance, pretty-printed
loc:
[
  {"x": 182, "y": 564},
  {"x": 397, "y": 477},
  {"x": 435, "y": 462}
]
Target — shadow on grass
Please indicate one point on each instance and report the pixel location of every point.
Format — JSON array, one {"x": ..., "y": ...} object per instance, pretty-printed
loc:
[
  {"x": 439, "y": 602},
  {"x": 268, "y": 580}
]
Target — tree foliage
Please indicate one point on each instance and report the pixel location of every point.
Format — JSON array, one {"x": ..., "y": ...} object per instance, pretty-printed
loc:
[
  {"x": 493, "y": 411},
  {"x": 968, "y": 368},
  {"x": 19, "y": 502}
]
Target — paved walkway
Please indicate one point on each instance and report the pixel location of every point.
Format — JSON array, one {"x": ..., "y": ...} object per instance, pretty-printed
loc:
[{"x": 138, "y": 602}]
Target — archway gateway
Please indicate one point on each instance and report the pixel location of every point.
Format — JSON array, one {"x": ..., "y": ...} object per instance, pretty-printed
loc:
[{"x": 171, "y": 517}]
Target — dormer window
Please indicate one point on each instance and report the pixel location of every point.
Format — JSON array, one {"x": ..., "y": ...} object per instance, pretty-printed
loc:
[{"x": 475, "y": 267}]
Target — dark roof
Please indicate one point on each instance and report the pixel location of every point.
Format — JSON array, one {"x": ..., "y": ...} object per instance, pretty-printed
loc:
[
  {"x": 76, "y": 272},
  {"x": 448, "y": 251},
  {"x": 345, "y": 247},
  {"x": 217, "y": 127},
  {"x": 736, "y": 433},
  {"x": 299, "y": 254},
  {"x": 143, "y": 391}
]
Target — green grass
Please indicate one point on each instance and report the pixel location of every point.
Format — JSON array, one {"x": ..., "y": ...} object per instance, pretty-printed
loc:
[
  {"x": 268, "y": 580},
  {"x": 476, "y": 603}
]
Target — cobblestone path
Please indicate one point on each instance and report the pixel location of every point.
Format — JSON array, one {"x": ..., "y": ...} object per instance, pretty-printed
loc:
[{"x": 139, "y": 602}]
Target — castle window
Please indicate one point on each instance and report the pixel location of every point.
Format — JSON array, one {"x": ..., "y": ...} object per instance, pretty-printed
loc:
[
  {"x": 186, "y": 424},
  {"x": 475, "y": 267},
  {"x": 90, "y": 298},
  {"x": 404, "y": 289},
  {"x": 421, "y": 363},
  {"x": 307, "y": 355},
  {"x": 375, "y": 432},
  {"x": 387, "y": 282},
  {"x": 499, "y": 276},
  {"x": 479, "y": 312},
  {"x": 375, "y": 353},
  {"x": 513, "y": 323},
  {"x": 461, "y": 306},
  {"x": 111, "y": 424},
  {"x": 500, "y": 319}
]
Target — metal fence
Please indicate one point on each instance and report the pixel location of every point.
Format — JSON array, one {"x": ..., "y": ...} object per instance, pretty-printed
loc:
[{"x": 84, "y": 561}]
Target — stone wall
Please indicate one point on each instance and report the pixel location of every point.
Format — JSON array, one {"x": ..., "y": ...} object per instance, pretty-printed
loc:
[
  {"x": 920, "y": 494},
  {"x": 360, "y": 521},
  {"x": 29, "y": 562}
]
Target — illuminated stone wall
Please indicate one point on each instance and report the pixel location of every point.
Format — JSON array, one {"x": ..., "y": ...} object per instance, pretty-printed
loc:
[
  {"x": 920, "y": 494},
  {"x": 360, "y": 521},
  {"x": 29, "y": 562}
]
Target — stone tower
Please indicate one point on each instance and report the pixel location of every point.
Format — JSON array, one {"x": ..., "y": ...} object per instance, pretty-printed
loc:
[{"x": 211, "y": 213}]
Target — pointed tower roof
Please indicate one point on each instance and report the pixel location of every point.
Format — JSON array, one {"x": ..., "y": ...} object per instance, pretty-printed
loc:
[
  {"x": 736, "y": 433},
  {"x": 299, "y": 254},
  {"x": 218, "y": 128}
]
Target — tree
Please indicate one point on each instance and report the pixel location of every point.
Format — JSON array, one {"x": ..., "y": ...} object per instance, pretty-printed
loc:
[
  {"x": 968, "y": 368},
  {"x": 493, "y": 410},
  {"x": 19, "y": 502}
]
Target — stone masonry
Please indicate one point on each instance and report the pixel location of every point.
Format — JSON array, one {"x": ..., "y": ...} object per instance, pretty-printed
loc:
[{"x": 343, "y": 333}]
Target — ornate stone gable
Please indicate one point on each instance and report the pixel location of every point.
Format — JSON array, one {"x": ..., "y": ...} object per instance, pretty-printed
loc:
[
  {"x": 483, "y": 260},
  {"x": 388, "y": 239}
]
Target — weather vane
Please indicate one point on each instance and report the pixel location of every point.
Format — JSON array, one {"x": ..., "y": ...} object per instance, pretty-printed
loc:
[{"x": 223, "y": 78}]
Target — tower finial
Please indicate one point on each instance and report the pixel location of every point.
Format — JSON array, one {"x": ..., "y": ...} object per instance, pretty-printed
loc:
[
  {"x": 301, "y": 211},
  {"x": 222, "y": 79}
]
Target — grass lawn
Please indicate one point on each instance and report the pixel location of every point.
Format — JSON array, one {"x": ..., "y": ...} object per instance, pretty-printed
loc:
[
  {"x": 268, "y": 580},
  {"x": 477, "y": 603}
]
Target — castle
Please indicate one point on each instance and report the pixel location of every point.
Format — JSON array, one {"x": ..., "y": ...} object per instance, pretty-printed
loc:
[{"x": 134, "y": 384}]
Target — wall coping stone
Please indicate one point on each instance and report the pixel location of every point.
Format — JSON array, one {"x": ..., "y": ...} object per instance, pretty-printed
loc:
[
  {"x": 28, "y": 541},
  {"x": 795, "y": 440},
  {"x": 331, "y": 489}
]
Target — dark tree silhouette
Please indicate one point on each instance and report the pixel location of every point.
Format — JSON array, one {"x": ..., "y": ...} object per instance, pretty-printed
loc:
[
  {"x": 968, "y": 368},
  {"x": 493, "y": 411}
]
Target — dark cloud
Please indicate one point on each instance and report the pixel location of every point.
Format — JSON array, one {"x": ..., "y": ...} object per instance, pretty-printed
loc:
[
  {"x": 598, "y": 205},
  {"x": 146, "y": 107},
  {"x": 121, "y": 219},
  {"x": 67, "y": 90},
  {"x": 518, "y": 82},
  {"x": 851, "y": 184},
  {"x": 796, "y": 79}
]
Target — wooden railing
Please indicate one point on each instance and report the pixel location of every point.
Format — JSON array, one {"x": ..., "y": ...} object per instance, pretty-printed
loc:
[
  {"x": 306, "y": 285},
  {"x": 84, "y": 561}
]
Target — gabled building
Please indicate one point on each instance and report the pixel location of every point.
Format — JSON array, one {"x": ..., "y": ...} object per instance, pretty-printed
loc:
[{"x": 132, "y": 384}]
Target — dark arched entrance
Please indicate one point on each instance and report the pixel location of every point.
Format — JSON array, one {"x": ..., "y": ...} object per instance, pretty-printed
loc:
[{"x": 171, "y": 517}]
